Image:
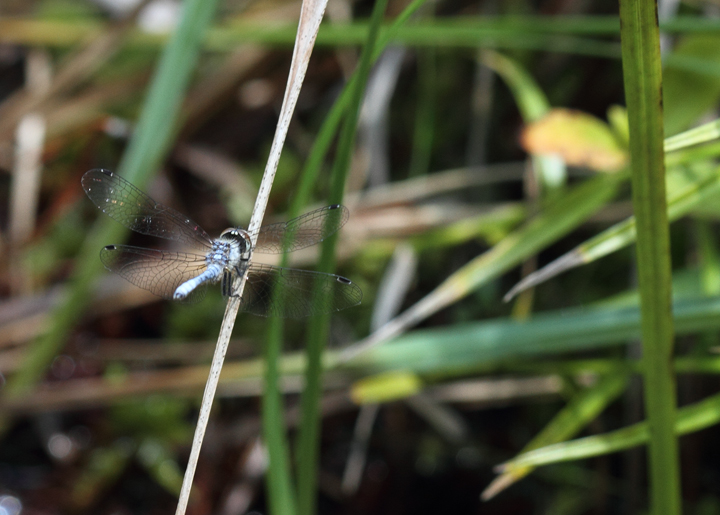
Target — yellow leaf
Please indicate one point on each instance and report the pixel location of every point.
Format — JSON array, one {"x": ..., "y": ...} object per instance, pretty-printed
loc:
[{"x": 578, "y": 138}]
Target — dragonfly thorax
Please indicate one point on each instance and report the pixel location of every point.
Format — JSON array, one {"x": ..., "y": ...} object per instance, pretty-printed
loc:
[{"x": 231, "y": 249}]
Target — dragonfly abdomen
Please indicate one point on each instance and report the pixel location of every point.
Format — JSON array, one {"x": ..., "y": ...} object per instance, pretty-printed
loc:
[{"x": 212, "y": 274}]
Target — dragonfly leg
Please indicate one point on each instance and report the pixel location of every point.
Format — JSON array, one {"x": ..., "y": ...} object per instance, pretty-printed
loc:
[{"x": 227, "y": 284}]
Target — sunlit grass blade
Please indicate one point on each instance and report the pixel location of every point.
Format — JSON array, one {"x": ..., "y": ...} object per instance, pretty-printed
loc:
[
  {"x": 694, "y": 417},
  {"x": 704, "y": 133},
  {"x": 559, "y": 218},
  {"x": 681, "y": 200},
  {"x": 582, "y": 409}
]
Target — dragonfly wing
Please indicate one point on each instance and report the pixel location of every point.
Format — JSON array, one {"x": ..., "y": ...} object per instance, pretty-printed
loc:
[
  {"x": 156, "y": 271},
  {"x": 301, "y": 232},
  {"x": 294, "y": 292},
  {"x": 129, "y": 206}
]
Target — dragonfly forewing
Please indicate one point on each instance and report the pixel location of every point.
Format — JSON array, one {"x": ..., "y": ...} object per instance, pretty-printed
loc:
[
  {"x": 129, "y": 206},
  {"x": 303, "y": 231},
  {"x": 269, "y": 290}
]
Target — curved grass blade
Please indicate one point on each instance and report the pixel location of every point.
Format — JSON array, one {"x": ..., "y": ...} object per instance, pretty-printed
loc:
[
  {"x": 582, "y": 409},
  {"x": 563, "y": 215},
  {"x": 681, "y": 200},
  {"x": 694, "y": 417},
  {"x": 533, "y": 105}
]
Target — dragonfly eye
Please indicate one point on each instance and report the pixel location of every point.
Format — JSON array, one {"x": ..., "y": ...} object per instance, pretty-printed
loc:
[{"x": 229, "y": 231}]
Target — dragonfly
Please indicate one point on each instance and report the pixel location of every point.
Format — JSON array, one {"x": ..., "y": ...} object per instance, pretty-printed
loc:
[{"x": 183, "y": 276}]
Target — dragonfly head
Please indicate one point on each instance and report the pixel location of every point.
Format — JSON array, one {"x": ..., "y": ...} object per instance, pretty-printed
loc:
[{"x": 240, "y": 239}]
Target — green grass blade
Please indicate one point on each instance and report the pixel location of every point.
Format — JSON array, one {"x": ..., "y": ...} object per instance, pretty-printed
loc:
[
  {"x": 704, "y": 133},
  {"x": 272, "y": 412},
  {"x": 146, "y": 150},
  {"x": 694, "y": 417},
  {"x": 308, "y": 438},
  {"x": 531, "y": 101},
  {"x": 482, "y": 345},
  {"x": 559, "y": 218},
  {"x": 530, "y": 33},
  {"x": 642, "y": 73},
  {"x": 682, "y": 199},
  {"x": 582, "y": 409},
  {"x": 533, "y": 105},
  {"x": 280, "y": 491}
]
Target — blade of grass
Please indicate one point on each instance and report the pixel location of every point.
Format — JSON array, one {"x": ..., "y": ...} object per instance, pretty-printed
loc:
[
  {"x": 694, "y": 417},
  {"x": 706, "y": 132},
  {"x": 309, "y": 177},
  {"x": 499, "y": 31},
  {"x": 550, "y": 171},
  {"x": 308, "y": 180},
  {"x": 531, "y": 101},
  {"x": 642, "y": 75},
  {"x": 582, "y": 409},
  {"x": 502, "y": 344},
  {"x": 308, "y": 441},
  {"x": 531, "y": 33},
  {"x": 563, "y": 215},
  {"x": 482, "y": 345},
  {"x": 681, "y": 201},
  {"x": 145, "y": 151}
]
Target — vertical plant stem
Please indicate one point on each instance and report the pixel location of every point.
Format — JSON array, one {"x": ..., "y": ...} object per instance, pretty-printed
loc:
[
  {"x": 279, "y": 487},
  {"x": 308, "y": 439},
  {"x": 281, "y": 496},
  {"x": 425, "y": 117},
  {"x": 643, "y": 93},
  {"x": 329, "y": 128},
  {"x": 273, "y": 423}
]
